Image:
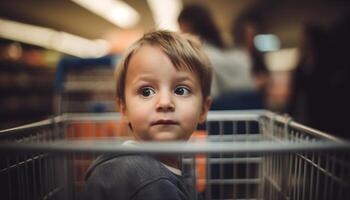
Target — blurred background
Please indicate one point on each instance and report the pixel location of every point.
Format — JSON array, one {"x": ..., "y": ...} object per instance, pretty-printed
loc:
[{"x": 58, "y": 56}]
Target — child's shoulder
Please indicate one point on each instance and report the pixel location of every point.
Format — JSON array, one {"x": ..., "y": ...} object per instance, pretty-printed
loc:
[
  {"x": 125, "y": 166},
  {"x": 131, "y": 175}
]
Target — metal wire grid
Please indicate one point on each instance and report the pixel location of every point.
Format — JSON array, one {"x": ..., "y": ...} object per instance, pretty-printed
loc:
[
  {"x": 231, "y": 175},
  {"x": 237, "y": 175},
  {"x": 303, "y": 175},
  {"x": 29, "y": 175}
]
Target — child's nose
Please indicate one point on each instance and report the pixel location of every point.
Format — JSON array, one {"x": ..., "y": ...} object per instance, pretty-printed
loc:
[{"x": 165, "y": 103}]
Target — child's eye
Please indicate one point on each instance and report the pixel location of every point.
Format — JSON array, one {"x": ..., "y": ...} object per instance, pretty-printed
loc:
[
  {"x": 183, "y": 91},
  {"x": 147, "y": 92}
]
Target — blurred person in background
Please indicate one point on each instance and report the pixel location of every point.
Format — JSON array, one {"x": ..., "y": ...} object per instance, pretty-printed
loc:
[
  {"x": 197, "y": 20},
  {"x": 244, "y": 29},
  {"x": 231, "y": 69},
  {"x": 339, "y": 80},
  {"x": 321, "y": 82},
  {"x": 310, "y": 98}
]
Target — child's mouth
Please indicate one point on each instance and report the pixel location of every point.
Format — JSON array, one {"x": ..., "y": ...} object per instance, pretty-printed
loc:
[{"x": 164, "y": 122}]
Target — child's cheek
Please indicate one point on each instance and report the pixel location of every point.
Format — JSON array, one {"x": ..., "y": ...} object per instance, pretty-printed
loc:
[{"x": 191, "y": 115}]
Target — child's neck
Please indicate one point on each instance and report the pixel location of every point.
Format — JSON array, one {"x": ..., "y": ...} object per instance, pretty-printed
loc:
[{"x": 170, "y": 160}]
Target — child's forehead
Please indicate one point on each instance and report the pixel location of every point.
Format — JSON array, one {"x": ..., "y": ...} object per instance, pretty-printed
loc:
[
  {"x": 155, "y": 54},
  {"x": 151, "y": 62},
  {"x": 146, "y": 50}
]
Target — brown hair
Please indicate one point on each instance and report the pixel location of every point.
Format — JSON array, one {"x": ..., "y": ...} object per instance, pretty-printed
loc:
[{"x": 184, "y": 52}]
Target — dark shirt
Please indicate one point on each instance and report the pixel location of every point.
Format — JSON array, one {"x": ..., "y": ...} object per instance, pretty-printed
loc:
[{"x": 132, "y": 177}]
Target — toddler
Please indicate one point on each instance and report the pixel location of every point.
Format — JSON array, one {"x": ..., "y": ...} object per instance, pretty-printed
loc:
[{"x": 163, "y": 92}]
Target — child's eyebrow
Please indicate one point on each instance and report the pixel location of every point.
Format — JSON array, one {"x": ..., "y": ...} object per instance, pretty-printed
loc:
[
  {"x": 145, "y": 77},
  {"x": 184, "y": 77},
  {"x": 151, "y": 78}
]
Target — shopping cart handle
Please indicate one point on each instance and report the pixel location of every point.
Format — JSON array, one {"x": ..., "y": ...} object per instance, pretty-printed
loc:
[{"x": 67, "y": 63}]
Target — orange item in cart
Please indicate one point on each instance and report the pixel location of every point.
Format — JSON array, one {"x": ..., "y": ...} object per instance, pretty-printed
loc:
[
  {"x": 91, "y": 130},
  {"x": 201, "y": 162}
]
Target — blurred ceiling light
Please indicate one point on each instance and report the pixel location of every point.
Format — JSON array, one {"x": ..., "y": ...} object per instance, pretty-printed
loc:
[
  {"x": 165, "y": 13},
  {"x": 282, "y": 60},
  {"x": 115, "y": 11},
  {"x": 51, "y": 39},
  {"x": 267, "y": 42}
]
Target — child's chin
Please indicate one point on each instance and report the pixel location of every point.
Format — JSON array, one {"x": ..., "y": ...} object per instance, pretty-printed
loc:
[{"x": 166, "y": 136}]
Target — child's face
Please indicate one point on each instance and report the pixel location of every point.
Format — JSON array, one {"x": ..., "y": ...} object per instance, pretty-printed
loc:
[{"x": 161, "y": 103}]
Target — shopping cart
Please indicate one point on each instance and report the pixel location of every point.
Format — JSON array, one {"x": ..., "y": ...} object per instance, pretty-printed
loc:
[
  {"x": 85, "y": 84},
  {"x": 245, "y": 154}
]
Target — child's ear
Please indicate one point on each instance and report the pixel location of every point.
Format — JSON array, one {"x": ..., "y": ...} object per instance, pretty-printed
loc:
[
  {"x": 205, "y": 108},
  {"x": 121, "y": 108}
]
